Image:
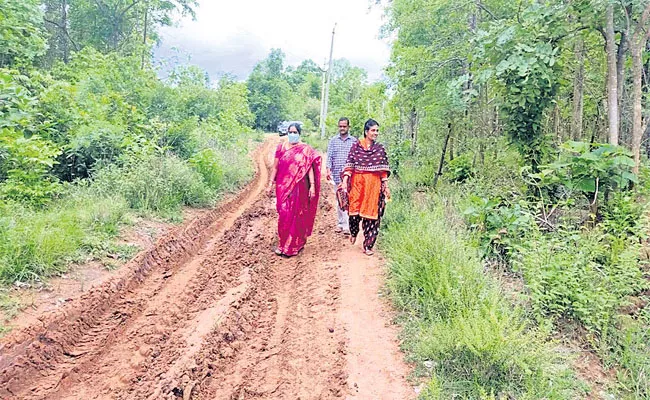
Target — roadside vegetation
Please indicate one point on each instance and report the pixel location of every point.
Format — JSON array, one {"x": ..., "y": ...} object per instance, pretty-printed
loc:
[
  {"x": 517, "y": 240},
  {"x": 90, "y": 137}
]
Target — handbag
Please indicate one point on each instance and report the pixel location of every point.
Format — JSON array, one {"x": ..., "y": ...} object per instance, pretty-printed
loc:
[{"x": 342, "y": 197}]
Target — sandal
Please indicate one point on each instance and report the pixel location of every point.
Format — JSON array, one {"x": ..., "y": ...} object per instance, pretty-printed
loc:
[
  {"x": 338, "y": 229},
  {"x": 278, "y": 252},
  {"x": 368, "y": 252},
  {"x": 353, "y": 239}
]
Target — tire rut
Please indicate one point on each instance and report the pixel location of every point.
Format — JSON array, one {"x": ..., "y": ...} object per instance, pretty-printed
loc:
[
  {"x": 209, "y": 313},
  {"x": 40, "y": 361}
]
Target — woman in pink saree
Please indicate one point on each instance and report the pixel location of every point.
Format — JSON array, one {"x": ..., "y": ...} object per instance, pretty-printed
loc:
[{"x": 296, "y": 175}]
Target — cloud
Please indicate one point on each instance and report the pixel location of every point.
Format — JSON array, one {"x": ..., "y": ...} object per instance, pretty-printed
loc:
[
  {"x": 237, "y": 55},
  {"x": 231, "y": 37}
]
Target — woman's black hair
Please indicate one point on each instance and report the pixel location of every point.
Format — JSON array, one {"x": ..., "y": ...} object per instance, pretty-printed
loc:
[
  {"x": 297, "y": 126},
  {"x": 369, "y": 124}
]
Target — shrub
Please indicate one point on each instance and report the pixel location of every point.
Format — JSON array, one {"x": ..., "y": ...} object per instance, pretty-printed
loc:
[
  {"x": 26, "y": 163},
  {"x": 460, "y": 169},
  {"x": 622, "y": 215},
  {"x": 500, "y": 227},
  {"x": 459, "y": 329},
  {"x": 159, "y": 184},
  {"x": 580, "y": 275},
  {"x": 35, "y": 244},
  {"x": 208, "y": 163}
]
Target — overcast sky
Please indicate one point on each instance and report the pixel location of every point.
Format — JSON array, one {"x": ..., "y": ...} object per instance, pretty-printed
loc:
[{"x": 232, "y": 36}]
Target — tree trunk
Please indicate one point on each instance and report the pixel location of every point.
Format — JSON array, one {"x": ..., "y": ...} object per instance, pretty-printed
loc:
[
  {"x": 612, "y": 83},
  {"x": 646, "y": 140},
  {"x": 620, "y": 80},
  {"x": 578, "y": 91},
  {"x": 144, "y": 34},
  {"x": 556, "y": 122},
  {"x": 637, "y": 112},
  {"x": 414, "y": 129},
  {"x": 442, "y": 157},
  {"x": 639, "y": 41},
  {"x": 451, "y": 149},
  {"x": 64, "y": 24}
]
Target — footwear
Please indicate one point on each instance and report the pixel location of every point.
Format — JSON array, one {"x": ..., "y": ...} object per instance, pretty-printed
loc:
[
  {"x": 353, "y": 239},
  {"x": 368, "y": 252},
  {"x": 338, "y": 229},
  {"x": 346, "y": 233},
  {"x": 278, "y": 252}
]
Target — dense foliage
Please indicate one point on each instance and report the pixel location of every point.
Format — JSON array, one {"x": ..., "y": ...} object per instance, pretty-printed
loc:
[
  {"x": 90, "y": 135},
  {"x": 512, "y": 108}
]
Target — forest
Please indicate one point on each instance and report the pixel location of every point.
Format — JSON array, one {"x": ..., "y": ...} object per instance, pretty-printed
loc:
[{"x": 518, "y": 138}]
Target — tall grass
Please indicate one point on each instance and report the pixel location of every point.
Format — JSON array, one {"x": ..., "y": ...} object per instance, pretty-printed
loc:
[
  {"x": 37, "y": 243},
  {"x": 458, "y": 328},
  {"x": 41, "y": 243},
  {"x": 156, "y": 184}
]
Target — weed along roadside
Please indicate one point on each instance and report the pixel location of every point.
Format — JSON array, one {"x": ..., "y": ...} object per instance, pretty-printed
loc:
[
  {"x": 465, "y": 337},
  {"x": 513, "y": 295}
]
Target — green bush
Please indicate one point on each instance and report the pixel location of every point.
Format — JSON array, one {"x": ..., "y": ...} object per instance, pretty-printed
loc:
[
  {"x": 622, "y": 215},
  {"x": 181, "y": 138},
  {"x": 459, "y": 328},
  {"x": 99, "y": 142},
  {"x": 25, "y": 164},
  {"x": 500, "y": 227},
  {"x": 159, "y": 184},
  {"x": 460, "y": 169},
  {"x": 35, "y": 244},
  {"x": 208, "y": 163},
  {"x": 586, "y": 276}
]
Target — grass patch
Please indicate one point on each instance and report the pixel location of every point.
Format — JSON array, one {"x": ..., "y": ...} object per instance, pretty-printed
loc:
[
  {"x": 314, "y": 140},
  {"x": 158, "y": 185},
  {"x": 458, "y": 327},
  {"x": 37, "y": 243},
  {"x": 41, "y": 243}
]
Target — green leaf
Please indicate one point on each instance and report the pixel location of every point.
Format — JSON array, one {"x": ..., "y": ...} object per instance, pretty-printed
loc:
[
  {"x": 630, "y": 177},
  {"x": 586, "y": 185}
]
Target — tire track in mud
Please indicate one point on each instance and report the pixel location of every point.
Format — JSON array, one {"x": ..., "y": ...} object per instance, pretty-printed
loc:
[
  {"x": 38, "y": 361},
  {"x": 209, "y": 313}
]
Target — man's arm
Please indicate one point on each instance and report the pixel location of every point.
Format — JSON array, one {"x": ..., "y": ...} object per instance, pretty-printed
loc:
[{"x": 330, "y": 161}]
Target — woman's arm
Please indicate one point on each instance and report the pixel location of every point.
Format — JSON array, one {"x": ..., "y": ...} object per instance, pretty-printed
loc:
[
  {"x": 312, "y": 182},
  {"x": 384, "y": 184}
]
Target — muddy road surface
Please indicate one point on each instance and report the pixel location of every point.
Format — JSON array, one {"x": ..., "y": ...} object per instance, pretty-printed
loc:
[{"x": 211, "y": 313}]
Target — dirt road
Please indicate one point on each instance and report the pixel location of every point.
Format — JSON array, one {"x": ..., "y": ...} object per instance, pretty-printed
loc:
[{"x": 211, "y": 313}]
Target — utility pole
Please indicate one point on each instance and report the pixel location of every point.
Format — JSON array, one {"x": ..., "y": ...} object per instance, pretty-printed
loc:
[
  {"x": 323, "y": 72},
  {"x": 327, "y": 87}
]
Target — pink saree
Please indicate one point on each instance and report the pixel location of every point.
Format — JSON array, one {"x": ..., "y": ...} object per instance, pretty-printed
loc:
[{"x": 296, "y": 211}]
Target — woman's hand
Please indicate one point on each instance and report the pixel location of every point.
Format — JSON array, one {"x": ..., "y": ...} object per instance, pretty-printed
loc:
[
  {"x": 344, "y": 182},
  {"x": 385, "y": 189},
  {"x": 312, "y": 192}
]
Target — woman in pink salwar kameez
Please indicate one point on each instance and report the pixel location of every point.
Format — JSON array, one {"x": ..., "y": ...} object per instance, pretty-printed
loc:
[{"x": 296, "y": 175}]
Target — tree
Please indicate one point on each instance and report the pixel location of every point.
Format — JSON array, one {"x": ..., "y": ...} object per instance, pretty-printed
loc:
[
  {"x": 108, "y": 25},
  {"x": 22, "y": 37},
  {"x": 268, "y": 92},
  {"x": 612, "y": 78},
  {"x": 638, "y": 46}
]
